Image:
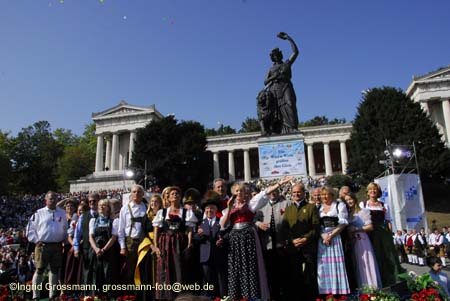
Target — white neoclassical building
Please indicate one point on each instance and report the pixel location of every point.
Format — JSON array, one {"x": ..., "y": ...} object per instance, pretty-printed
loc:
[
  {"x": 432, "y": 91},
  {"x": 236, "y": 157},
  {"x": 115, "y": 129}
]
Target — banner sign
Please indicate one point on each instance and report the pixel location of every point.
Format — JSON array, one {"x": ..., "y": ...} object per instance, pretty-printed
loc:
[
  {"x": 403, "y": 194},
  {"x": 280, "y": 159}
]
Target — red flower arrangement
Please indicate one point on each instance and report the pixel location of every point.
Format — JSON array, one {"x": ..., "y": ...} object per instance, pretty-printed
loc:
[
  {"x": 281, "y": 211},
  {"x": 427, "y": 294}
]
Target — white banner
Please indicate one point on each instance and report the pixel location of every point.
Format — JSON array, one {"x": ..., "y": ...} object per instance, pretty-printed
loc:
[
  {"x": 403, "y": 194},
  {"x": 280, "y": 159}
]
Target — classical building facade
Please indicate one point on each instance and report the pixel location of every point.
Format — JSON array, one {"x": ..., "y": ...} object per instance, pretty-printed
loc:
[
  {"x": 235, "y": 157},
  {"x": 432, "y": 91},
  {"x": 116, "y": 132}
]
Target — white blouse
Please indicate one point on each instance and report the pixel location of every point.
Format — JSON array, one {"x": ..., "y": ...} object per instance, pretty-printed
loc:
[
  {"x": 342, "y": 215},
  {"x": 114, "y": 230},
  {"x": 191, "y": 220},
  {"x": 385, "y": 207}
]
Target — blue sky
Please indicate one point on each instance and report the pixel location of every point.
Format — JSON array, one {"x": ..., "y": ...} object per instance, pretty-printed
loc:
[{"x": 206, "y": 60}]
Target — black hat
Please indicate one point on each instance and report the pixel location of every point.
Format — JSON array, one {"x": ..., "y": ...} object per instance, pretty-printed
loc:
[
  {"x": 211, "y": 198},
  {"x": 191, "y": 195}
]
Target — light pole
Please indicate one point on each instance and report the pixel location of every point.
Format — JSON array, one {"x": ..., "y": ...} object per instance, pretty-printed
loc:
[{"x": 127, "y": 174}]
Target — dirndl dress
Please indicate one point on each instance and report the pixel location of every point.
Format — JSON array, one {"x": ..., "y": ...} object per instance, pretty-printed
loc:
[{"x": 331, "y": 272}]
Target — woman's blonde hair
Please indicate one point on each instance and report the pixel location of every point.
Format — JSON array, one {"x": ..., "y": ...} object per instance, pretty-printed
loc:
[
  {"x": 165, "y": 200},
  {"x": 150, "y": 212},
  {"x": 329, "y": 190},
  {"x": 376, "y": 186}
]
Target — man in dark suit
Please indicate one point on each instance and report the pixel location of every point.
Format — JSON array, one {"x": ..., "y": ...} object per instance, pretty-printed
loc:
[
  {"x": 300, "y": 229},
  {"x": 213, "y": 256}
]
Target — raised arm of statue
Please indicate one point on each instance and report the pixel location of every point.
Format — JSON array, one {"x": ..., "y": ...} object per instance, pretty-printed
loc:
[{"x": 294, "y": 55}]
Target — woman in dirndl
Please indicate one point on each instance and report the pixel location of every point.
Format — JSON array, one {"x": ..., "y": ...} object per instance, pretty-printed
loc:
[
  {"x": 246, "y": 272},
  {"x": 145, "y": 272},
  {"x": 331, "y": 272},
  {"x": 102, "y": 235},
  {"x": 173, "y": 228},
  {"x": 381, "y": 236},
  {"x": 363, "y": 257},
  {"x": 73, "y": 270}
]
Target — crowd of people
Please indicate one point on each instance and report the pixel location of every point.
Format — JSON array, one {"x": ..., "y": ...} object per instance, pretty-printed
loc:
[{"x": 268, "y": 240}]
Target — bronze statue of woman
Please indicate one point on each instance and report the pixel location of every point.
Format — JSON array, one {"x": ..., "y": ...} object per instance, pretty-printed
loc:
[{"x": 278, "y": 82}]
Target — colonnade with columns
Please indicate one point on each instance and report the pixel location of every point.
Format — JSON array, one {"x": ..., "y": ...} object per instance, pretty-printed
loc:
[
  {"x": 324, "y": 158},
  {"x": 433, "y": 108},
  {"x": 118, "y": 153},
  {"x": 233, "y": 173},
  {"x": 328, "y": 164}
]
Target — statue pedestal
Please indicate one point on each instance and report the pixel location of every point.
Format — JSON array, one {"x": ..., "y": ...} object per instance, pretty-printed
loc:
[{"x": 282, "y": 155}]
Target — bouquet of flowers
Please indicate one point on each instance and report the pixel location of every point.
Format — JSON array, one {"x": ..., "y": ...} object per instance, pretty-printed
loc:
[{"x": 423, "y": 287}]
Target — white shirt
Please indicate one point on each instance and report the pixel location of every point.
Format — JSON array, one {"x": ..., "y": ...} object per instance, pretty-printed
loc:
[
  {"x": 47, "y": 226},
  {"x": 436, "y": 240},
  {"x": 125, "y": 222}
]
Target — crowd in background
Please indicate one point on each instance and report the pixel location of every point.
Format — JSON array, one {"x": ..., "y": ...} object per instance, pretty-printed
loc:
[{"x": 249, "y": 245}]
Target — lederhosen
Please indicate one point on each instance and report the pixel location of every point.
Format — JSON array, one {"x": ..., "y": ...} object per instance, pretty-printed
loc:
[
  {"x": 418, "y": 247},
  {"x": 132, "y": 245}
]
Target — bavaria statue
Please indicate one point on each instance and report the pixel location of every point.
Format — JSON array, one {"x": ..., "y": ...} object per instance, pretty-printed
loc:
[{"x": 276, "y": 103}]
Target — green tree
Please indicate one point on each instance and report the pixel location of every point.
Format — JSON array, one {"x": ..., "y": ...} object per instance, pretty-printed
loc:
[
  {"x": 322, "y": 120},
  {"x": 174, "y": 151},
  {"x": 222, "y": 130},
  {"x": 388, "y": 114},
  {"x": 64, "y": 137},
  {"x": 250, "y": 125},
  {"x": 79, "y": 155},
  {"x": 34, "y": 154},
  {"x": 77, "y": 161},
  {"x": 89, "y": 139}
]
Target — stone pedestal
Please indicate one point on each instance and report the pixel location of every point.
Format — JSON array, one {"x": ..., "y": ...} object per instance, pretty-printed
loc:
[{"x": 282, "y": 155}]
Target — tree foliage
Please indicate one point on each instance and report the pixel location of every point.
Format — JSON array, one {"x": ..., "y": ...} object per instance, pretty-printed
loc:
[
  {"x": 174, "y": 151},
  {"x": 39, "y": 159},
  {"x": 388, "y": 114},
  {"x": 321, "y": 120},
  {"x": 250, "y": 125},
  {"x": 78, "y": 158},
  {"x": 34, "y": 154},
  {"x": 77, "y": 161},
  {"x": 222, "y": 130}
]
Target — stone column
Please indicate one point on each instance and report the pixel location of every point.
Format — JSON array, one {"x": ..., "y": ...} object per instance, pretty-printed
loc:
[
  {"x": 344, "y": 158},
  {"x": 216, "y": 165},
  {"x": 446, "y": 113},
  {"x": 99, "y": 154},
  {"x": 326, "y": 153},
  {"x": 247, "y": 173},
  {"x": 425, "y": 107},
  {"x": 311, "y": 163},
  {"x": 131, "y": 149},
  {"x": 108, "y": 153},
  {"x": 231, "y": 170},
  {"x": 115, "y": 152}
]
